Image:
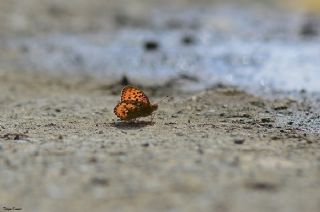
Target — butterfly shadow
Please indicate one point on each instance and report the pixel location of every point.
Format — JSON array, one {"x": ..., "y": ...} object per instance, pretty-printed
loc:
[{"x": 131, "y": 125}]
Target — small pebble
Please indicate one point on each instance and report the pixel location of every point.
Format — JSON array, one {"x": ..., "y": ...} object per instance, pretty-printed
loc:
[
  {"x": 309, "y": 29},
  {"x": 262, "y": 186},
  {"x": 239, "y": 140},
  {"x": 100, "y": 181},
  {"x": 200, "y": 151},
  {"x": 265, "y": 120},
  {"x": 280, "y": 107},
  {"x": 145, "y": 144},
  {"x": 92, "y": 160},
  {"x": 151, "y": 45},
  {"x": 275, "y": 137},
  {"x": 124, "y": 80},
  {"x": 188, "y": 40},
  {"x": 179, "y": 134}
]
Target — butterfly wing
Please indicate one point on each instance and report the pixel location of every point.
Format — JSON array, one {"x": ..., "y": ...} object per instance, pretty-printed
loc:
[
  {"x": 129, "y": 109},
  {"x": 130, "y": 93}
]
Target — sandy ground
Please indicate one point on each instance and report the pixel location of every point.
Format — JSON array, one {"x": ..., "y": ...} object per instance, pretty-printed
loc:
[
  {"x": 222, "y": 149},
  {"x": 62, "y": 149}
]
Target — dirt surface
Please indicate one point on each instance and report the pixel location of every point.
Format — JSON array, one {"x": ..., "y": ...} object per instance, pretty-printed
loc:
[
  {"x": 215, "y": 149},
  {"x": 62, "y": 149}
]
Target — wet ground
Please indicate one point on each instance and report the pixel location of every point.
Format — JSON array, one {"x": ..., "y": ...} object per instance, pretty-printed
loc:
[
  {"x": 240, "y": 130},
  {"x": 253, "y": 47}
]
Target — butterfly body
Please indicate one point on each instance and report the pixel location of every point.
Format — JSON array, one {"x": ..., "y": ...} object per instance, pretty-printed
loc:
[{"x": 134, "y": 104}]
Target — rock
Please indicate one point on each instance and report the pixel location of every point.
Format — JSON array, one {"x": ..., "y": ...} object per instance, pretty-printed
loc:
[
  {"x": 239, "y": 140},
  {"x": 151, "y": 45}
]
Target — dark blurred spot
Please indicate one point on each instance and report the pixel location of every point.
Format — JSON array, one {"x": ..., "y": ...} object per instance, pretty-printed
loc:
[
  {"x": 200, "y": 150},
  {"x": 121, "y": 19},
  {"x": 100, "y": 181},
  {"x": 14, "y": 136},
  {"x": 239, "y": 140},
  {"x": 275, "y": 137},
  {"x": 182, "y": 24},
  {"x": 92, "y": 160},
  {"x": 124, "y": 80},
  {"x": 266, "y": 120},
  {"x": 116, "y": 87},
  {"x": 188, "y": 40},
  {"x": 170, "y": 123},
  {"x": 151, "y": 45},
  {"x": 78, "y": 60},
  {"x": 267, "y": 186},
  {"x": 17, "y": 137},
  {"x": 299, "y": 172},
  {"x": 303, "y": 91},
  {"x": 50, "y": 125},
  {"x": 258, "y": 103},
  {"x": 175, "y": 24},
  {"x": 24, "y": 49},
  {"x": 145, "y": 144},
  {"x": 179, "y": 134},
  {"x": 280, "y": 107},
  {"x": 188, "y": 77},
  {"x": 309, "y": 29},
  {"x": 56, "y": 11}
]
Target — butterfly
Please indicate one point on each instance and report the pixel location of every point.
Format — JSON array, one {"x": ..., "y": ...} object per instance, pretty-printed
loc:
[{"x": 134, "y": 104}]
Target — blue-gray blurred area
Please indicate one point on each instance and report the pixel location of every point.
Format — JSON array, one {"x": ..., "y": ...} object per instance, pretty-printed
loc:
[{"x": 256, "y": 45}]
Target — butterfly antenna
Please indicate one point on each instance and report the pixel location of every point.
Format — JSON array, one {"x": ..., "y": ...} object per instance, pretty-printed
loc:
[{"x": 164, "y": 98}]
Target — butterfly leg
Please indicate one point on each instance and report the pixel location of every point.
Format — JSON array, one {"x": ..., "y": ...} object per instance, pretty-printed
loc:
[{"x": 132, "y": 121}]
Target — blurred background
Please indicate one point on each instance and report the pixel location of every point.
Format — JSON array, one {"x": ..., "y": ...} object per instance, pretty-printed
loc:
[{"x": 256, "y": 45}]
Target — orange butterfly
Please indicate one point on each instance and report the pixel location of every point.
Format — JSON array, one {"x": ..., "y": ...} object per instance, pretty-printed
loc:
[{"x": 134, "y": 104}]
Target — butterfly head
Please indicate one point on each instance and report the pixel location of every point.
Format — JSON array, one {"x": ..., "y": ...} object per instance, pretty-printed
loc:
[{"x": 154, "y": 107}]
